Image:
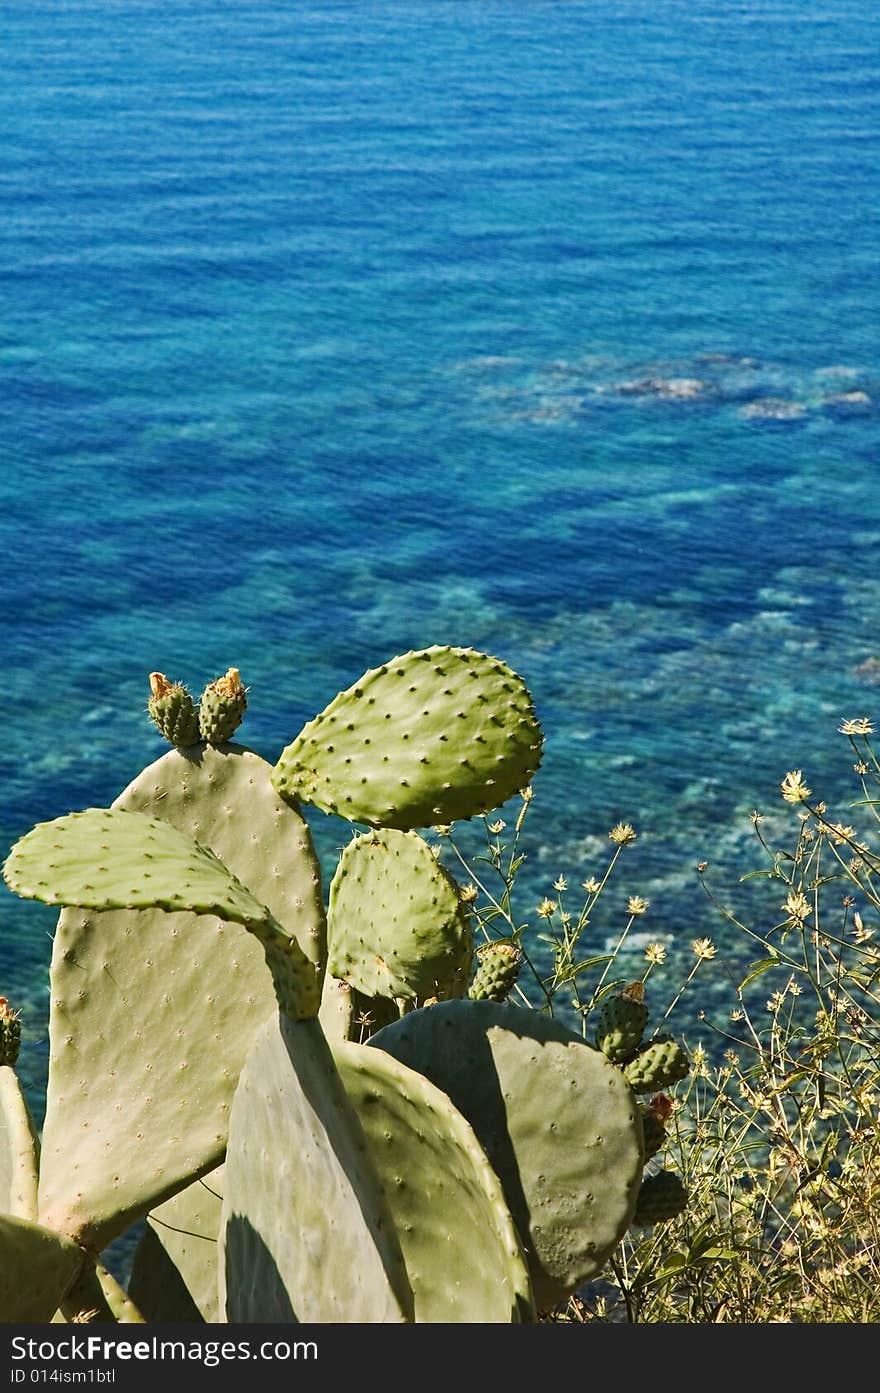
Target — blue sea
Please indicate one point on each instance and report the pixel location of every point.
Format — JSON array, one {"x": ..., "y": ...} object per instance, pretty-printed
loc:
[{"x": 333, "y": 330}]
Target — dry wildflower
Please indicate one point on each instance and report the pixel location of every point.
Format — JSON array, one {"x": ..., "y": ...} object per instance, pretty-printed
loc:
[
  {"x": 859, "y": 932},
  {"x": 794, "y": 790},
  {"x": 797, "y": 906},
  {"x": 858, "y": 725},
  {"x": 698, "y": 1061},
  {"x": 443, "y": 829},
  {"x": 756, "y": 817},
  {"x": 468, "y": 893},
  {"x": 546, "y": 908},
  {"x": 737, "y": 1014},
  {"x": 656, "y": 953},
  {"x": 636, "y": 904},
  {"x": 560, "y": 883},
  {"x": 839, "y": 833},
  {"x": 592, "y": 886},
  {"x": 527, "y": 794},
  {"x": 496, "y": 827},
  {"x": 703, "y": 948},
  {"x": 775, "y": 1002},
  {"x": 622, "y": 833},
  {"x": 861, "y": 767}
]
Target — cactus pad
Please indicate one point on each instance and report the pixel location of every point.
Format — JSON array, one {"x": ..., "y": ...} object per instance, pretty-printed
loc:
[
  {"x": 396, "y": 927},
  {"x": 173, "y": 711},
  {"x": 462, "y": 1251},
  {"x": 306, "y": 1234},
  {"x": 36, "y": 1269},
  {"x": 557, "y": 1121},
  {"x": 429, "y": 737},
  {"x": 18, "y": 1149},
  {"x": 659, "y": 1064},
  {"x": 498, "y": 967},
  {"x": 174, "y": 1272},
  {"x": 152, "y": 1014}
]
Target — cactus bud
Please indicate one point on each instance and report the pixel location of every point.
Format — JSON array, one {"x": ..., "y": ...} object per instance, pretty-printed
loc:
[
  {"x": 661, "y": 1197},
  {"x": 621, "y": 1023},
  {"x": 659, "y": 1064},
  {"x": 222, "y": 706},
  {"x": 10, "y": 1033},
  {"x": 173, "y": 710},
  {"x": 497, "y": 971}
]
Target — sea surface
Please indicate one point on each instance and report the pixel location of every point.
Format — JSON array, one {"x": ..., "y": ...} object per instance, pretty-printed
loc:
[{"x": 335, "y": 330}]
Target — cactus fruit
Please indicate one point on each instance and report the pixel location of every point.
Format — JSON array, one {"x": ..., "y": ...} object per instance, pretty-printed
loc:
[
  {"x": 659, "y": 1064},
  {"x": 661, "y": 1196},
  {"x": 306, "y": 1234},
  {"x": 462, "y": 1252},
  {"x": 10, "y": 1033},
  {"x": 621, "y": 1023},
  {"x": 396, "y": 926},
  {"x": 427, "y": 738},
  {"x": 37, "y": 1267},
  {"x": 173, "y": 711},
  {"x": 557, "y": 1121},
  {"x": 221, "y": 708},
  {"x": 654, "y": 1134},
  {"x": 498, "y": 967}
]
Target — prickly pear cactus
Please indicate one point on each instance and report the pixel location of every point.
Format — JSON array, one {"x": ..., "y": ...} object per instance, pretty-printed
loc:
[
  {"x": 306, "y": 1233},
  {"x": 19, "y": 1149},
  {"x": 661, "y": 1196},
  {"x": 556, "y": 1119},
  {"x": 498, "y": 967},
  {"x": 140, "y": 1083},
  {"x": 621, "y": 1023},
  {"x": 221, "y": 708},
  {"x": 462, "y": 1252},
  {"x": 396, "y": 926},
  {"x": 173, "y": 711},
  {"x": 37, "y": 1267},
  {"x": 427, "y": 738},
  {"x": 659, "y": 1064},
  {"x": 174, "y": 1271}
]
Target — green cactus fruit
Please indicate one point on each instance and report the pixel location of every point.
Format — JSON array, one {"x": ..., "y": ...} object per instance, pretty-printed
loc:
[
  {"x": 140, "y": 1084},
  {"x": 659, "y": 1064},
  {"x": 556, "y": 1119},
  {"x": 621, "y": 1023},
  {"x": 10, "y": 1033},
  {"x": 654, "y": 1134},
  {"x": 174, "y": 1270},
  {"x": 37, "y": 1267},
  {"x": 661, "y": 1196},
  {"x": 173, "y": 711},
  {"x": 306, "y": 1233},
  {"x": 462, "y": 1252},
  {"x": 427, "y": 738},
  {"x": 222, "y": 706},
  {"x": 396, "y": 926},
  {"x": 19, "y": 1150},
  {"x": 498, "y": 967}
]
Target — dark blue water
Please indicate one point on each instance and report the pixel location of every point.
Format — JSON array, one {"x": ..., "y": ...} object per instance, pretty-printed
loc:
[{"x": 335, "y": 330}]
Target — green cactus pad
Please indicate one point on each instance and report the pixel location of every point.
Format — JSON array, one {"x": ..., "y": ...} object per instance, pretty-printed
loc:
[
  {"x": 556, "y": 1119},
  {"x": 36, "y": 1269},
  {"x": 659, "y": 1064},
  {"x": 19, "y": 1150},
  {"x": 306, "y": 1234},
  {"x": 221, "y": 708},
  {"x": 174, "y": 1271},
  {"x": 97, "y": 1292},
  {"x": 498, "y": 967},
  {"x": 462, "y": 1251},
  {"x": 396, "y": 927},
  {"x": 661, "y": 1197},
  {"x": 429, "y": 737},
  {"x": 173, "y": 711},
  {"x": 152, "y": 1014},
  {"x": 621, "y": 1024}
]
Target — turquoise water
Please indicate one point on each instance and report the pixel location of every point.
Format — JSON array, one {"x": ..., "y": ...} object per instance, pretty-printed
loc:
[{"x": 335, "y": 330}]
